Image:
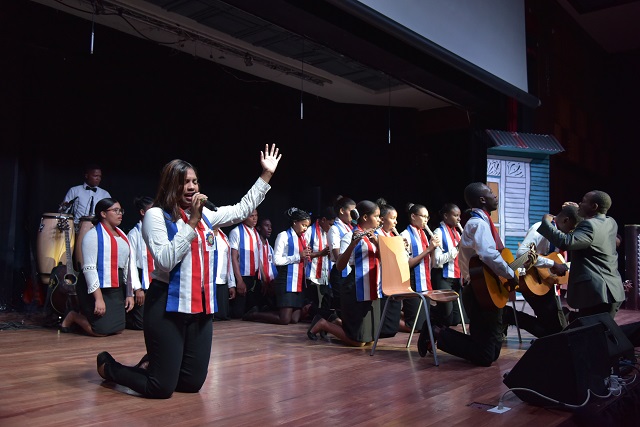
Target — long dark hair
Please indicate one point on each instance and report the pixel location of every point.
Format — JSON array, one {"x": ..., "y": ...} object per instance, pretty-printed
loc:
[{"x": 171, "y": 186}]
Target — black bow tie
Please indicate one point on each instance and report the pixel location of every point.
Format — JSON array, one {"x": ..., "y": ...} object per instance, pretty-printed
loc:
[{"x": 94, "y": 189}]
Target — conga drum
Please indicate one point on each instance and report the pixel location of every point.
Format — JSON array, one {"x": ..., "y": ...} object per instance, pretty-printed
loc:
[
  {"x": 50, "y": 242},
  {"x": 84, "y": 226}
]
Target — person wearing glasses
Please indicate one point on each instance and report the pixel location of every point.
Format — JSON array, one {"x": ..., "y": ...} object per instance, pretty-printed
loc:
[
  {"x": 421, "y": 249},
  {"x": 105, "y": 249}
]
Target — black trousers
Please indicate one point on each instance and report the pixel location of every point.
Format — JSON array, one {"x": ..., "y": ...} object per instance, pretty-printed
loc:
[
  {"x": 222, "y": 299},
  {"x": 482, "y": 346},
  {"x": 134, "y": 318},
  {"x": 319, "y": 296},
  {"x": 178, "y": 346},
  {"x": 547, "y": 319},
  {"x": 243, "y": 303},
  {"x": 446, "y": 313}
]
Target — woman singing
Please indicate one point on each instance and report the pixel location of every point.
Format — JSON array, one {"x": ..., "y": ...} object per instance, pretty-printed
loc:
[{"x": 179, "y": 306}]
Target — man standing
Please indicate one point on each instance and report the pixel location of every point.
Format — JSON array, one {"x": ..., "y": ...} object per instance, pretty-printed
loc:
[
  {"x": 595, "y": 285},
  {"x": 82, "y": 199}
]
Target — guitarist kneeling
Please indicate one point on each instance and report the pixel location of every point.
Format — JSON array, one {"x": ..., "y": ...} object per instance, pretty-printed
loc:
[
  {"x": 480, "y": 241},
  {"x": 549, "y": 317}
]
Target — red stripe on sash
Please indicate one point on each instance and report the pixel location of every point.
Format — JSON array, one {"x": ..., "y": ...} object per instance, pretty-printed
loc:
[
  {"x": 150, "y": 266},
  {"x": 494, "y": 232},
  {"x": 319, "y": 263},
  {"x": 115, "y": 278},
  {"x": 455, "y": 238},
  {"x": 196, "y": 266}
]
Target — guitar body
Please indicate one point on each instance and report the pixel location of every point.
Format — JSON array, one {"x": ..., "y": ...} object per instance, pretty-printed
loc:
[
  {"x": 539, "y": 280},
  {"x": 488, "y": 287},
  {"x": 58, "y": 298},
  {"x": 63, "y": 278}
]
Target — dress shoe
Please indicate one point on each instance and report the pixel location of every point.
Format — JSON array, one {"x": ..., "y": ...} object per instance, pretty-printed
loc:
[
  {"x": 249, "y": 314},
  {"x": 311, "y": 335},
  {"x": 424, "y": 343},
  {"x": 101, "y": 361}
]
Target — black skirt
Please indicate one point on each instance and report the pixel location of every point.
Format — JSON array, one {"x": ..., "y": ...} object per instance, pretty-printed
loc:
[
  {"x": 113, "y": 320},
  {"x": 360, "y": 319},
  {"x": 286, "y": 299}
]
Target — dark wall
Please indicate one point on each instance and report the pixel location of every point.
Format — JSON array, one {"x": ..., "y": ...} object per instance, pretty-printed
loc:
[
  {"x": 133, "y": 105},
  {"x": 590, "y": 103}
]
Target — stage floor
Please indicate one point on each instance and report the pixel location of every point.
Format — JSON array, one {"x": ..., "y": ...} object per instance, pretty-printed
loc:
[{"x": 260, "y": 373}]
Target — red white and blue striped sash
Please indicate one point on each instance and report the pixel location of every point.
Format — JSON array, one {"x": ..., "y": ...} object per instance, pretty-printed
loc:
[
  {"x": 319, "y": 266},
  {"x": 343, "y": 229},
  {"x": 295, "y": 271},
  {"x": 144, "y": 255},
  {"x": 367, "y": 271},
  {"x": 268, "y": 271},
  {"x": 450, "y": 239},
  {"x": 107, "y": 262},
  {"x": 248, "y": 251},
  {"x": 195, "y": 273},
  {"x": 418, "y": 243}
]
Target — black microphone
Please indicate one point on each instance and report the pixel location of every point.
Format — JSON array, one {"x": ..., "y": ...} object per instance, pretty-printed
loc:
[{"x": 209, "y": 205}]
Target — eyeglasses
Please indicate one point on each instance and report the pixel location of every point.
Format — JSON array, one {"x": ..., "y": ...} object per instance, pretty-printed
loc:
[{"x": 117, "y": 211}]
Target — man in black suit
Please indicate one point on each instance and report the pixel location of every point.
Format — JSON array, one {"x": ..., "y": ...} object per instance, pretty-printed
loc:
[{"x": 594, "y": 284}]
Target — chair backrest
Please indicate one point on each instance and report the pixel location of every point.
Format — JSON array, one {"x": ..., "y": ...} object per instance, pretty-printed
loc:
[{"x": 394, "y": 265}]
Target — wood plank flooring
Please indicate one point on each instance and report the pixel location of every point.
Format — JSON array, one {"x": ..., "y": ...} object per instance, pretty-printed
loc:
[{"x": 260, "y": 374}]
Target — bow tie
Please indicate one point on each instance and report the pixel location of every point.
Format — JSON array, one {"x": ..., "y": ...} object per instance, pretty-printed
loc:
[{"x": 94, "y": 189}]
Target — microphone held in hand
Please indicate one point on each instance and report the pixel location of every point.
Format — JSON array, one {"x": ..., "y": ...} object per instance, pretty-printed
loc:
[{"x": 209, "y": 205}]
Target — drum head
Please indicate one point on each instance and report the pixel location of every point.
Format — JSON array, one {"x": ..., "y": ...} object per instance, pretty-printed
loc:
[{"x": 56, "y": 215}]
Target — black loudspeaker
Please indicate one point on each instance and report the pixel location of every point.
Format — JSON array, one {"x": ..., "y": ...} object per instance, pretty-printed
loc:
[
  {"x": 618, "y": 345},
  {"x": 563, "y": 367}
]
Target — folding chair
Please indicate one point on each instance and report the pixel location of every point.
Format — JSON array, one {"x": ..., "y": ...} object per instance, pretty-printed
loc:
[{"x": 396, "y": 286}]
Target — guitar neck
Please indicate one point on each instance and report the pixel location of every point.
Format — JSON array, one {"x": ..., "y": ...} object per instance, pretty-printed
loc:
[
  {"x": 67, "y": 245},
  {"x": 520, "y": 261}
]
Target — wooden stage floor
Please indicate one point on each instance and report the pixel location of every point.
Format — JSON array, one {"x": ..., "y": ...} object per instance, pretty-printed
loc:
[{"x": 260, "y": 374}]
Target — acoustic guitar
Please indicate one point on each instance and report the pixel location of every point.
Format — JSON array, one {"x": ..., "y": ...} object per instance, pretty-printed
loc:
[
  {"x": 488, "y": 287},
  {"x": 63, "y": 278},
  {"x": 539, "y": 280}
]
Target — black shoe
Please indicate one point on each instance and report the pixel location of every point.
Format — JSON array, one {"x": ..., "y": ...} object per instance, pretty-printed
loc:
[
  {"x": 311, "y": 335},
  {"x": 101, "y": 361},
  {"x": 508, "y": 316},
  {"x": 249, "y": 314},
  {"x": 424, "y": 342}
]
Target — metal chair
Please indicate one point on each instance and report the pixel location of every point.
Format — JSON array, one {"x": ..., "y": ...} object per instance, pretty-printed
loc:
[{"x": 396, "y": 286}]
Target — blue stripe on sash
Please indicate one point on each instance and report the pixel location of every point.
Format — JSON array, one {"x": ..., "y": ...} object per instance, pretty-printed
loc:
[
  {"x": 215, "y": 266},
  {"x": 173, "y": 297},
  {"x": 415, "y": 251},
  {"x": 100, "y": 260},
  {"x": 290, "y": 278},
  {"x": 359, "y": 272}
]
